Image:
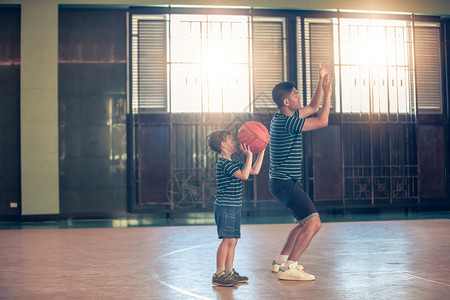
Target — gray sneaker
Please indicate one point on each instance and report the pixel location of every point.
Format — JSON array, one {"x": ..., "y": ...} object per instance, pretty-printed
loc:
[
  {"x": 239, "y": 279},
  {"x": 223, "y": 279}
]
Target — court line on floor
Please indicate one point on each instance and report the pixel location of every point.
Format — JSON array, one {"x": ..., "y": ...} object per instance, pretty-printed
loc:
[
  {"x": 155, "y": 276},
  {"x": 429, "y": 280},
  {"x": 180, "y": 290},
  {"x": 361, "y": 253},
  {"x": 399, "y": 272}
]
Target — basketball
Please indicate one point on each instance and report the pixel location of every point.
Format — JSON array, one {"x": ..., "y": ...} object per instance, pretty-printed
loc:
[{"x": 255, "y": 135}]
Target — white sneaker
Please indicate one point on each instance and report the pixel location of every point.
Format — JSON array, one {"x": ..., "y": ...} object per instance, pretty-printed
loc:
[
  {"x": 276, "y": 266},
  {"x": 295, "y": 272}
]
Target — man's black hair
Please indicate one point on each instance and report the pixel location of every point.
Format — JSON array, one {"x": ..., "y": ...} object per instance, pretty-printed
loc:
[{"x": 282, "y": 91}]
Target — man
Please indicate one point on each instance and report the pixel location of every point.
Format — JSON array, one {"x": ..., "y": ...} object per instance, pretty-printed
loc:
[{"x": 285, "y": 168}]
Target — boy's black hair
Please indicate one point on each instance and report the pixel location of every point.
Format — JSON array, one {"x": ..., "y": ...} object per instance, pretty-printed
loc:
[
  {"x": 282, "y": 91},
  {"x": 216, "y": 137}
]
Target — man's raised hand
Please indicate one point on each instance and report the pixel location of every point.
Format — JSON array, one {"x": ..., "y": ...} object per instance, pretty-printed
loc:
[
  {"x": 323, "y": 69},
  {"x": 327, "y": 84}
]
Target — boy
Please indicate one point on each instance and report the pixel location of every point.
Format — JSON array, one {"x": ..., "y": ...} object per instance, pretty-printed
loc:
[
  {"x": 228, "y": 202},
  {"x": 285, "y": 168}
]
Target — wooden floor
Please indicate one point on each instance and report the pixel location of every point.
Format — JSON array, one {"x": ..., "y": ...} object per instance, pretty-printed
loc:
[{"x": 351, "y": 260}]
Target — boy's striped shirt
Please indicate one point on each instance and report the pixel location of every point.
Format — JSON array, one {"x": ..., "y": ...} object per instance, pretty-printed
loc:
[
  {"x": 229, "y": 188},
  {"x": 285, "y": 147}
]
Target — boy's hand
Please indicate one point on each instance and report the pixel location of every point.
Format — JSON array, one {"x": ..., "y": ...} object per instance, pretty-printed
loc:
[
  {"x": 327, "y": 84},
  {"x": 323, "y": 70},
  {"x": 246, "y": 150}
]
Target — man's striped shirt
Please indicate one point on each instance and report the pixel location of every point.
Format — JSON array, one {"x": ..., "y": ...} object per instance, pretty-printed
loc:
[
  {"x": 229, "y": 188},
  {"x": 285, "y": 147}
]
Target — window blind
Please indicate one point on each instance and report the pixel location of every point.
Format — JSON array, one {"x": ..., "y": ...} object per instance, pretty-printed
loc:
[
  {"x": 318, "y": 38},
  {"x": 149, "y": 65},
  {"x": 268, "y": 62},
  {"x": 428, "y": 69}
]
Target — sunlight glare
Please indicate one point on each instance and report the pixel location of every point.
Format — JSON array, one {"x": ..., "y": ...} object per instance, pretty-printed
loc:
[
  {"x": 210, "y": 64},
  {"x": 374, "y": 66}
]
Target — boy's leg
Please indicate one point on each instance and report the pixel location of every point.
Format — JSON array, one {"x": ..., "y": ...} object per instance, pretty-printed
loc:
[
  {"x": 226, "y": 250},
  {"x": 224, "y": 216},
  {"x": 225, "y": 253},
  {"x": 229, "y": 270},
  {"x": 230, "y": 254},
  {"x": 221, "y": 257},
  {"x": 220, "y": 277},
  {"x": 235, "y": 233}
]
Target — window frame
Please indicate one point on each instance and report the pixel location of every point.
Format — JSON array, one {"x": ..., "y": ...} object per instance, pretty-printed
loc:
[
  {"x": 304, "y": 71},
  {"x": 289, "y": 63},
  {"x": 253, "y": 18}
]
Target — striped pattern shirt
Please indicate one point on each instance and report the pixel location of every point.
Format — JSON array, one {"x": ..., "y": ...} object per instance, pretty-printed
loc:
[
  {"x": 286, "y": 147},
  {"x": 229, "y": 188}
]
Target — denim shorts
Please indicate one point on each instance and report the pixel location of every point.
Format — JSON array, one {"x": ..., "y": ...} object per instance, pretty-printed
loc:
[
  {"x": 291, "y": 195},
  {"x": 228, "y": 221}
]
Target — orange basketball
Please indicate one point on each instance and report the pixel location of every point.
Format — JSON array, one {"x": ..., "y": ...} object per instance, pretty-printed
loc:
[{"x": 255, "y": 135}]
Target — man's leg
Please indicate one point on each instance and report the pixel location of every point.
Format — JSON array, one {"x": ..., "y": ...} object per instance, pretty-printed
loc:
[
  {"x": 304, "y": 210},
  {"x": 286, "y": 251},
  {"x": 289, "y": 244},
  {"x": 304, "y": 237},
  {"x": 301, "y": 206},
  {"x": 291, "y": 270}
]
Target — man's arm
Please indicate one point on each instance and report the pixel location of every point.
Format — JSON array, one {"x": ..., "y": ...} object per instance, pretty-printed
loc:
[
  {"x": 257, "y": 166},
  {"x": 322, "y": 118},
  {"x": 314, "y": 105}
]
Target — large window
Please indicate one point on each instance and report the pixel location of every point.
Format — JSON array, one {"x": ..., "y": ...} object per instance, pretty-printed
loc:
[
  {"x": 209, "y": 63},
  {"x": 375, "y": 66},
  {"x": 380, "y": 66},
  {"x": 229, "y": 63},
  {"x": 205, "y": 63}
]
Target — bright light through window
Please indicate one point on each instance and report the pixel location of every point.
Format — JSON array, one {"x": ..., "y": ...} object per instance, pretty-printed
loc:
[
  {"x": 375, "y": 65},
  {"x": 209, "y": 63}
]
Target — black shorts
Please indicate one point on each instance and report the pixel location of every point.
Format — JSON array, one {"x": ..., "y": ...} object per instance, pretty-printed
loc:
[{"x": 291, "y": 195}]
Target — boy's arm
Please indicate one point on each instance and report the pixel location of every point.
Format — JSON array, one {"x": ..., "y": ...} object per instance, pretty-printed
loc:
[
  {"x": 257, "y": 166},
  {"x": 314, "y": 105},
  {"x": 322, "y": 118},
  {"x": 245, "y": 172}
]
